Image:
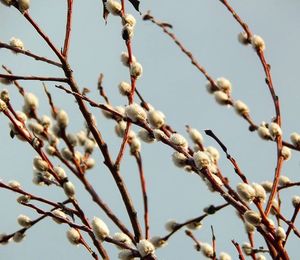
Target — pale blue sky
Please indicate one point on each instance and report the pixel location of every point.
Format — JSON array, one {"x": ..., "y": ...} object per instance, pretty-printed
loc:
[{"x": 173, "y": 86}]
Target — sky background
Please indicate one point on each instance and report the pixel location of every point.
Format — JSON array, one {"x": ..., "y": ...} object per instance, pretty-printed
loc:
[{"x": 171, "y": 84}]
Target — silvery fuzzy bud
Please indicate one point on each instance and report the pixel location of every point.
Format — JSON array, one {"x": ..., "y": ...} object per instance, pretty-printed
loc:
[
  {"x": 36, "y": 128},
  {"x": 246, "y": 192},
  {"x": 217, "y": 180},
  {"x": 224, "y": 256},
  {"x": 267, "y": 185},
  {"x": 18, "y": 237},
  {"x": 178, "y": 140},
  {"x": 40, "y": 164},
  {"x": 24, "y": 5},
  {"x": 224, "y": 84},
  {"x": 156, "y": 118},
  {"x": 194, "y": 225},
  {"x": 60, "y": 172},
  {"x": 260, "y": 192},
  {"x": 123, "y": 238},
  {"x": 195, "y": 135},
  {"x": 135, "y": 112},
  {"x": 90, "y": 163},
  {"x": 72, "y": 138},
  {"x": 62, "y": 119},
  {"x": 50, "y": 150},
  {"x": 124, "y": 88},
  {"x": 286, "y": 153},
  {"x": 207, "y": 250},
  {"x": 295, "y": 139},
  {"x": 16, "y": 43},
  {"x": 6, "y": 2},
  {"x": 284, "y": 180},
  {"x": 213, "y": 152},
  {"x": 4, "y": 95},
  {"x": 296, "y": 201},
  {"x": 66, "y": 153},
  {"x": 14, "y": 184},
  {"x": 145, "y": 247},
  {"x": 73, "y": 236},
  {"x": 243, "y": 38},
  {"x": 241, "y": 108},
  {"x": 46, "y": 121},
  {"x": 135, "y": 146},
  {"x": 21, "y": 116},
  {"x": 136, "y": 69},
  {"x": 120, "y": 128},
  {"x": 125, "y": 254},
  {"x": 221, "y": 97},
  {"x": 158, "y": 242},
  {"x": 128, "y": 19},
  {"x": 260, "y": 257},
  {"x": 69, "y": 189},
  {"x": 179, "y": 159},
  {"x": 145, "y": 136},
  {"x": 60, "y": 214},
  {"x": 264, "y": 132},
  {"x": 252, "y": 217},
  {"x": 31, "y": 101},
  {"x": 280, "y": 233},
  {"x": 201, "y": 159},
  {"x": 125, "y": 59},
  {"x": 3, "y": 106},
  {"x": 113, "y": 7},
  {"x": 258, "y": 43},
  {"x": 24, "y": 221},
  {"x": 275, "y": 130},
  {"x": 171, "y": 225},
  {"x": 23, "y": 199},
  {"x": 89, "y": 146},
  {"x": 100, "y": 229},
  {"x": 249, "y": 227},
  {"x": 159, "y": 135},
  {"x": 127, "y": 32},
  {"x": 247, "y": 249}
]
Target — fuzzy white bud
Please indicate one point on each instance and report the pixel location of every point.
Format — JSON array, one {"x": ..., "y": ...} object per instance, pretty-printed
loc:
[
  {"x": 207, "y": 250},
  {"x": 243, "y": 38},
  {"x": 241, "y": 108},
  {"x": 145, "y": 247},
  {"x": 3, "y": 105},
  {"x": 69, "y": 189},
  {"x": 252, "y": 217},
  {"x": 24, "y": 5},
  {"x": 280, "y": 233},
  {"x": 16, "y": 43},
  {"x": 178, "y": 140},
  {"x": 128, "y": 19},
  {"x": 284, "y": 180},
  {"x": 125, "y": 59},
  {"x": 224, "y": 256},
  {"x": 201, "y": 159},
  {"x": 24, "y": 221},
  {"x": 136, "y": 69},
  {"x": 100, "y": 229},
  {"x": 14, "y": 184},
  {"x": 179, "y": 159},
  {"x": 194, "y": 225},
  {"x": 159, "y": 135},
  {"x": 221, "y": 97},
  {"x": 195, "y": 135},
  {"x": 124, "y": 88},
  {"x": 40, "y": 164},
  {"x": 158, "y": 242},
  {"x": 60, "y": 172},
  {"x": 267, "y": 185},
  {"x": 6, "y": 2},
  {"x": 135, "y": 146},
  {"x": 62, "y": 119},
  {"x": 246, "y": 192},
  {"x": 90, "y": 163},
  {"x": 171, "y": 225},
  {"x": 60, "y": 214},
  {"x": 296, "y": 201},
  {"x": 156, "y": 118},
  {"x": 295, "y": 139},
  {"x": 125, "y": 254},
  {"x": 213, "y": 152},
  {"x": 135, "y": 112},
  {"x": 123, "y": 238},
  {"x": 18, "y": 237},
  {"x": 145, "y": 136},
  {"x": 127, "y": 32},
  {"x": 113, "y": 7},
  {"x": 260, "y": 192},
  {"x": 286, "y": 153},
  {"x": 264, "y": 132},
  {"x": 275, "y": 130},
  {"x": 224, "y": 84},
  {"x": 258, "y": 43},
  {"x": 247, "y": 249},
  {"x": 73, "y": 236},
  {"x": 31, "y": 101}
]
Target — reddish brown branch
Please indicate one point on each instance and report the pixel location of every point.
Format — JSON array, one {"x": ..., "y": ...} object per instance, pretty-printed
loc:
[
  {"x": 16, "y": 77},
  {"x": 239, "y": 250},
  {"x": 68, "y": 29}
]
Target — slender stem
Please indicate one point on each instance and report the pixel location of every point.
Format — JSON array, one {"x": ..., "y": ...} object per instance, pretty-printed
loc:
[
  {"x": 68, "y": 29},
  {"x": 16, "y": 77}
]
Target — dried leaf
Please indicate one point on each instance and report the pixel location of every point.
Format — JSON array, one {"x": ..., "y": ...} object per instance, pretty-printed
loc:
[{"x": 136, "y": 4}]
